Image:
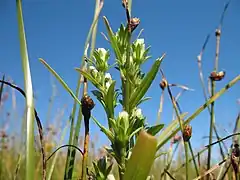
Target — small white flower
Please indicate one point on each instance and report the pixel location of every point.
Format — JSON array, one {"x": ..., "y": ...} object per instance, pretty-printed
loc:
[
  {"x": 92, "y": 68},
  {"x": 139, "y": 41},
  {"x": 110, "y": 177},
  {"x": 102, "y": 50},
  {"x": 123, "y": 115},
  {"x": 93, "y": 71},
  {"x": 108, "y": 77},
  {"x": 108, "y": 84},
  {"x": 138, "y": 113}
]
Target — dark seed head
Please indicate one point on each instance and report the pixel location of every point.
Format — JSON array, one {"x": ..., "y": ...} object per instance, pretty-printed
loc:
[
  {"x": 218, "y": 32},
  {"x": 187, "y": 133},
  {"x": 134, "y": 22},
  {"x": 87, "y": 103},
  {"x": 217, "y": 76},
  {"x": 163, "y": 84}
]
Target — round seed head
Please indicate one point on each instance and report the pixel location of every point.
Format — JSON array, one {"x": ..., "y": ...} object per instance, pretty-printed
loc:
[
  {"x": 187, "y": 133},
  {"x": 163, "y": 84},
  {"x": 87, "y": 102}
]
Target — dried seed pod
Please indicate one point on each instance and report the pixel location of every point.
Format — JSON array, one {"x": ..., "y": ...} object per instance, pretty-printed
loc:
[
  {"x": 236, "y": 150},
  {"x": 187, "y": 133},
  {"x": 87, "y": 103},
  {"x": 134, "y": 22},
  {"x": 163, "y": 84},
  {"x": 125, "y": 3},
  {"x": 218, "y": 32},
  {"x": 217, "y": 76},
  {"x": 87, "y": 106}
]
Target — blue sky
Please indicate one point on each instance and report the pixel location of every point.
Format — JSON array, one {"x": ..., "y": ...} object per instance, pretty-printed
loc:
[{"x": 56, "y": 31}]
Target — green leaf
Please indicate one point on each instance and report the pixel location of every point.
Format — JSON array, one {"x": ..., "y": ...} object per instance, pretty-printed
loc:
[
  {"x": 112, "y": 39},
  {"x": 155, "y": 129},
  {"x": 143, "y": 100},
  {"x": 30, "y": 154},
  {"x": 60, "y": 80},
  {"x": 145, "y": 84},
  {"x": 104, "y": 130},
  {"x": 110, "y": 99},
  {"x": 142, "y": 158},
  {"x": 91, "y": 79}
]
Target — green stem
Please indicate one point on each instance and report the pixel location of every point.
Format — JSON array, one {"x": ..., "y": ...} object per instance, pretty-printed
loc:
[
  {"x": 186, "y": 158},
  {"x": 181, "y": 128},
  {"x": 194, "y": 161},
  {"x": 211, "y": 128},
  {"x": 213, "y": 86},
  {"x": 122, "y": 162}
]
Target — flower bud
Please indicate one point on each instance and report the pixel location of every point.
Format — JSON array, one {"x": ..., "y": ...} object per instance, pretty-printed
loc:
[
  {"x": 93, "y": 71},
  {"x": 108, "y": 77}
]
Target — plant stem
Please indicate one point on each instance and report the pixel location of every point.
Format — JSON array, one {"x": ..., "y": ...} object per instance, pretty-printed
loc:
[
  {"x": 193, "y": 158},
  {"x": 122, "y": 162},
  {"x": 181, "y": 128},
  {"x": 213, "y": 85},
  {"x": 71, "y": 152}
]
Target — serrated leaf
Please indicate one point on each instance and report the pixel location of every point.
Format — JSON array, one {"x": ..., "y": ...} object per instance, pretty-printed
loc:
[
  {"x": 142, "y": 158},
  {"x": 155, "y": 129},
  {"x": 145, "y": 84},
  {"x": 112, "y": 39}
]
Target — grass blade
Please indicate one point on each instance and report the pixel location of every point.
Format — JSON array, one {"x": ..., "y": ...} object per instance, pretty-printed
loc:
[
  {"x": 60, "y": 80},
  {"x": 29, "y": 96}
]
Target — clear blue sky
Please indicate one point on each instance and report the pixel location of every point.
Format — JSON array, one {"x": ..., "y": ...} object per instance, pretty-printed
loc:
[{"x": 56, "y": 31}]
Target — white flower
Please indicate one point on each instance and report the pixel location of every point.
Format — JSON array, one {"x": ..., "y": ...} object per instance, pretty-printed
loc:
[
  {"x": 139, "y": 41},
  {"x": 123, "y": 115},
  {"x": 102, "y": 50},
  {"x": 108, "y": 84},
  {"x": 108, "y": 77},
  {"x": 92, "y": 68},
  {"x": 93, "y": 71},
  {"x": 110, "y": 177},
  {"x": 138, "y": 113}
]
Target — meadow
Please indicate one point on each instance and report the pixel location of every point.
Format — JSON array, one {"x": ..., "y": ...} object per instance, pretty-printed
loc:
[{"x": 137, "y": 150}]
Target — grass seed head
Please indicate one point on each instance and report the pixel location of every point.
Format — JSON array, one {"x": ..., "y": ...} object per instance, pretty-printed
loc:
[{"x": 187, "y": 133}]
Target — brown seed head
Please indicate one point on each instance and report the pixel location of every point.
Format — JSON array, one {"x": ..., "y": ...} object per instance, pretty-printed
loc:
[
  {"x": 134, "y": 22},
  {"x": 187, "y": 133},
  {"x": 87, "y": 103},
  {"x": 163, "y": 84},
  {"x": 217, "y": 76},
  {"x": 217, "y": 32}
]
